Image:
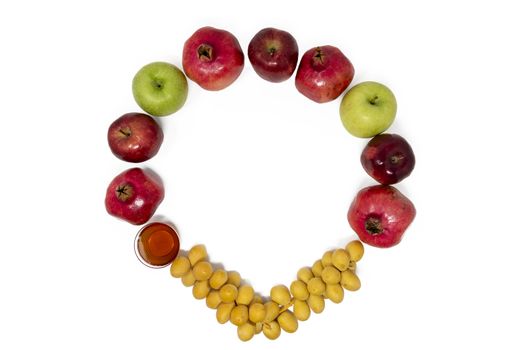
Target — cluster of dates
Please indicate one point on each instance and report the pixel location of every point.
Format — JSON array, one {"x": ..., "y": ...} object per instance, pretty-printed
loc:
[{"x": 235, "y": 301}]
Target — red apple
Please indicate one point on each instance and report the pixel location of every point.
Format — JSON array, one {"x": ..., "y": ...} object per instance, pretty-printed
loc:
[
  {"x": 323, "y": 73},
  {"x": 134, "y": 196},
  {"x": 135, "y": 137},
  {"x": 212, "y": 58},
  {"x": 273, "y": 53},
  {"x": 380, "y": 215},
  {"x": 388, "y": 158}
]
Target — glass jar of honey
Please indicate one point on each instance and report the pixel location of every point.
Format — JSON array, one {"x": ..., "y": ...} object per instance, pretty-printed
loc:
[{"x": 157, "y": 245}]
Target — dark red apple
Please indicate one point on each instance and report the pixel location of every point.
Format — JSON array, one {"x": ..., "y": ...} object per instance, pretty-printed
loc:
[
  {"x": 212, "y": 58},
  {"x": 135, "y": 137},
  {"x": 388, "y": 158},
  {"x": 273, "y": 53},
  {"x": 323, "y": 73},
  {"x": 134, "y": 196},
  {"x": 380, "y": 215}
]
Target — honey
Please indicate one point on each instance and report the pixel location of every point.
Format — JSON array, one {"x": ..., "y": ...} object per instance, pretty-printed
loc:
[{"x": 157, "y": 244}]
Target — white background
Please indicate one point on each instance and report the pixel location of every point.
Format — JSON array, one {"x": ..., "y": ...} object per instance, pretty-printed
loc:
[{"x": 261, "y": 175}]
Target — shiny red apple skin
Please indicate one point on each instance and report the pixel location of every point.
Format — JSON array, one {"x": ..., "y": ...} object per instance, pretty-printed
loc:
[
  {"x": 388, "y": 158},
  {"x": 380, "y": 215},
  {"x": 212, "y": 58},
  {"x": 324, "y": 73},
  {"x": 134, "y": 196},
  {"x": 273, "y": 53},
  {"x": 135, "y": 137}
]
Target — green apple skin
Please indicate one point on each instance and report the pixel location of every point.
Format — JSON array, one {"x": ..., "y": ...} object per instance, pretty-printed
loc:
[
  {"x": 160, "y": 88},
  {"x": 368, "y": 109}
]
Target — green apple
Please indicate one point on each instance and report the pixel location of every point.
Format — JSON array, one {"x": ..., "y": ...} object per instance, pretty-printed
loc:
[
  {"x": 160, "y": 88},
  {"x": 368, "y": 109}
]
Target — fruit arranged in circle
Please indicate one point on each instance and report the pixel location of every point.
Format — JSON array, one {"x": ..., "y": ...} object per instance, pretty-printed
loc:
[
  {"x": 160, "y": 88},
  {"x": 212, "y": 58},
  {"x": 157, "y": 244},
  {"x": 134, "y": 196},
  {"x": 324, "y": 73},
  {"x": 380, "y": 215},
  {"x": 135, "y": 137},
  {"x": 388, "y": 158},
  {"x": 368, "y": 109},
  {"x": 273, "y": 53}
]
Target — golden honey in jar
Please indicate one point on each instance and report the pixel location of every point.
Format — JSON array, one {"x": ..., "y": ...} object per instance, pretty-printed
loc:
[{"x": 157, "y": 244}]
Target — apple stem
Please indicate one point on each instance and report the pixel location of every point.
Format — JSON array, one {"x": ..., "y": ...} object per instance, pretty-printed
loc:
[
  {"x": 373, "y": 100},
  {"x": 205, "y": 52},
  {"x": 126, "y": 132},
  {"x": 373, "y": 226},
  {"x": 157, "y": 83},
  {"x": 396, "y": 158}
]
